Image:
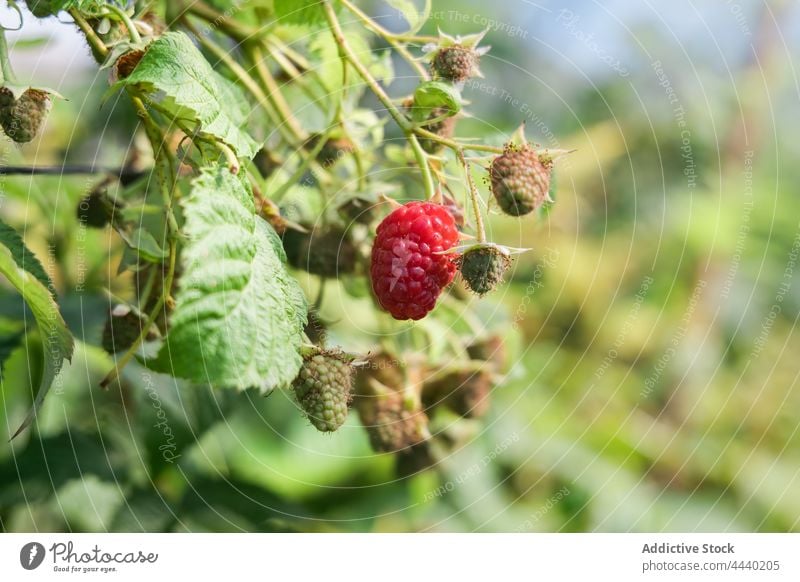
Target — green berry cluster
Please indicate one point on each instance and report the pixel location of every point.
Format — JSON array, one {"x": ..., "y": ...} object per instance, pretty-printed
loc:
[{"x": 323, "y": 388}]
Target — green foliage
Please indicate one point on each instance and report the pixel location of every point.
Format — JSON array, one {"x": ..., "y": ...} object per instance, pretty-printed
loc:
[
  {"x": 23, "y": 257},
  {"x": 433, "y": 95},
  {"x": 615, "y": 405},
  {"x": 330, "y": 69},
  {"x": 305, "y": 12},
  {"x": 181, "y": 84},
  {"x": 239, "y": 315},
  {"x": 26, "y": 276},
  {"x": 12, "y": 334}
]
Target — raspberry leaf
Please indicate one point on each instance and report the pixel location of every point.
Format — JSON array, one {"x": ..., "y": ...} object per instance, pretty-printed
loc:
[
  {"x": 22, "y": 256},
  {"x": 239, "y": 315},
  {"x": 183, "y": 86},
  {"x": 26, "y": 275},
  {"x": 432, "y": 95}
]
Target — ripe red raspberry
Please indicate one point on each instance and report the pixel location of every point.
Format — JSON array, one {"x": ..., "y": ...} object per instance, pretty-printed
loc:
[{"x": 408, "y": 267}]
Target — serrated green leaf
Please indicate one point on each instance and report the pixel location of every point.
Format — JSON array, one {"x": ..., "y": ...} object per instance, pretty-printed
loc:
[
  {"x": 432, "y": 95},
  {"x": 239, "y": 315},
  {"x": 23, "y": 257},
  {"x": 55, "y": 335},
  {"x": 182, "y": 84},
  {"x": 415, "y": 17}
]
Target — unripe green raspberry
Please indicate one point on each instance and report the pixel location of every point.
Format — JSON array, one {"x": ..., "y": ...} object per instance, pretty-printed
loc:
[
  {"x": 520, "y": 180},
  {"x": 455, "y": 63},
  {"x": 324, "y": 388},
  {"x": 22, "y": 118},
  {"x": 483, "y": 267}
]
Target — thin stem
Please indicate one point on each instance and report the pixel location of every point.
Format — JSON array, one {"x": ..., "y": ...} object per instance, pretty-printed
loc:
[
  {"x": 131, "y": 351},
  {"x": 473, "y": 194},
  {"x": 343, "y": 93},
  {"x": 6, "y": 72},
  {"x": 230, "y": 157},
  {"x": 455, "y": 145},
  {"x": 393, "y": 40},
  {"x": 159, "y": 146},
  {"x": 290, "y": 53},
  {"x": 415, "y": 38},
  {"x": 126, "y": 20},
  {"x": 301, "y": 168},
  {"x": 99, "y": 48},
  {"x": 293, "y": 135},
  {"x": 432, "y": 120},
  {"x": 274, "y": 93},
  {"x": 296, "y": 76},
  {"x": 161, "y": 151},
  {"x": 374, "y": 86},
  {"x": 143, "y": 294},
  {"x": 401, "y": 120},
  {"x": 425, "y": 168},
  {"x": 242, "y": 76},
  {"x": 157, "y": 143},
  {"x": 230, "y": 27}
]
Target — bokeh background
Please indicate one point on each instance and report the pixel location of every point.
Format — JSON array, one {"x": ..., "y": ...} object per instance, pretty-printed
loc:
[{"x": 652, "y": 382}]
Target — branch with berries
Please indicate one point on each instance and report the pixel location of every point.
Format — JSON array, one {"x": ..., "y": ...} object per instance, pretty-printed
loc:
[{"x": 262, "y": 179}]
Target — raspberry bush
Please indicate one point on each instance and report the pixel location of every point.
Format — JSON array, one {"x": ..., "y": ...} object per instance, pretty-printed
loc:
[{"x": 264, "y": 201}]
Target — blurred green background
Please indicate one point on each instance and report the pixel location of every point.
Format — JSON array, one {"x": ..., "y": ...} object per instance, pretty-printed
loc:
[{"x": 653, "y": 377}]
